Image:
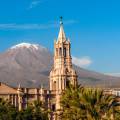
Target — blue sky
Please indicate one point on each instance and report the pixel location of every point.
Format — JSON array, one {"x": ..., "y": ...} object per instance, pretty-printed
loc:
[{"x": 93, "y": 27}]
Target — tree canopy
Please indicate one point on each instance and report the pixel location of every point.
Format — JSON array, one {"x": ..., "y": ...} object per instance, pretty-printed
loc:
[
  {"x": 79, "y": 103},
  {"x": 34, "y": 111}
]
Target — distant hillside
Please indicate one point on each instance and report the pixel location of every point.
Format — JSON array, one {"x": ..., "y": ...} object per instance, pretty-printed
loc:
[{"x": 30, "y": 64}]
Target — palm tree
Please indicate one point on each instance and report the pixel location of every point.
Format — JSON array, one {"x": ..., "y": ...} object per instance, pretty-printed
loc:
[
  {"x": 7, "y": 111},
  {"x": 80, "y": 103},
  {"x": 116, "y": 108},
  {"x": 97, "y": 105},
  {"x": 39, "y": 111},
  {"x": 71, "y": 103}
]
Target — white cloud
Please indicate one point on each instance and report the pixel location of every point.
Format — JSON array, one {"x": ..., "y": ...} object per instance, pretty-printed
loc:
[
  {"x": 26, "y": 26},
  {"x": 34, "y": 4},
  {"x": 15, "y": 26},
  {"x": 113, "y": 74},
  {"x": 82, "y": 62}
]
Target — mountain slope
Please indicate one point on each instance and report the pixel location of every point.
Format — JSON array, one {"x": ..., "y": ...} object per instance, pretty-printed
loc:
[{"x": 30, "y": 64}]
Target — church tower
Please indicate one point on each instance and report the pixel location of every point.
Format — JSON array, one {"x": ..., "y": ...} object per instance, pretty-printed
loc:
[{"x": 62, "y": 73}]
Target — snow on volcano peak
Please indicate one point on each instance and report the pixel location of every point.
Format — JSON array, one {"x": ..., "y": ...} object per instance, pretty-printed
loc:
[
  {"x": 25, "y": 45},
  {"x": 28, "y": 46}
]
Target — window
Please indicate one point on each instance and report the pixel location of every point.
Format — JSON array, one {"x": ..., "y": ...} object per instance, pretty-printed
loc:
[
  {"x": 67, "y": 83},
  {"x": 64, "y": 52},
  {"x": 53, "y": 107},
  {"x": 60, "y": 51}
]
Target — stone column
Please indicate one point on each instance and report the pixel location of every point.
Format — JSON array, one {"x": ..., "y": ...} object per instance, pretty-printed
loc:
[
  {"x": 41, "y": 94},
  {"x": 36, "y": 94},
  {"x": 19, "y": 103},
  {"x": 59, "y": 83},
  {"x": 8, "y": 97},
  {"x": 15, "y": 97},
  {"x": 26, "y": 97},
  {"x": 20, "y": 98},
  {"x": 12, "y": 99},
  {"x": 63, "y": 82}
]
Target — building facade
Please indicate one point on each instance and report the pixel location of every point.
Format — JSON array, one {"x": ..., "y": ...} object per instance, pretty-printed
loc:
[
  {"x": 21, "y": 97},
  {"x": 61, "y": 75}
]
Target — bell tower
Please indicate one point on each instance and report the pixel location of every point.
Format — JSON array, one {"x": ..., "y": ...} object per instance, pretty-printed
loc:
[
  {"x": 62, "y": 55},
  {"x": 62, "y": 72}
]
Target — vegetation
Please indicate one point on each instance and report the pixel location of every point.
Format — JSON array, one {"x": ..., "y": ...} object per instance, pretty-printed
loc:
[
  {"x": 80, "y": 103},
  {"x": 35, "y": 111}
]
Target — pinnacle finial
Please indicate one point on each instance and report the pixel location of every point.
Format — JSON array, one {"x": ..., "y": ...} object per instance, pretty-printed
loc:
[
  {"x": 61, "y": 36},
  {"x": 42, "y": 86},
  {"x": 61, "y": 18},
  {"x": 19, "y": 86}
]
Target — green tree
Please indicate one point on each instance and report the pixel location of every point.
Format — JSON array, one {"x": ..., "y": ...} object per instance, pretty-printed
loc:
[
  {"x": 7, "y": 111},
  {"x": 26, "y": 114},
  {"x": 36, "y": 111},
  {"x": 39, "y": 111},
  {"x": 97, "y": 105},
  {"x": 80, "y": 103},
  {"x": 73, "y": 109},
  {"x": 116, "y": 109}
]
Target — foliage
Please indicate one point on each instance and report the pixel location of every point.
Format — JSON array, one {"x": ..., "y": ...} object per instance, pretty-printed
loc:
[
  {"x": 80, "y": 103},
  {"x": 35, "y": 111},
  {"x": 116, "y": 109},
  {"x": 7, "y": 110}
]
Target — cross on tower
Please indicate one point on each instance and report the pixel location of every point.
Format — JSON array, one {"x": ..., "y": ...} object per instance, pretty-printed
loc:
[{"x": 61, "y": 18}]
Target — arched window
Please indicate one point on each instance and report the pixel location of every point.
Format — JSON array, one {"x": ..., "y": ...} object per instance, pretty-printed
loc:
[
  {"x": 64, "y": 52},
  {"x": 60, "y": 51},
  {"x": 67, "y": 83},
  {"x": 53, "y": 107}
]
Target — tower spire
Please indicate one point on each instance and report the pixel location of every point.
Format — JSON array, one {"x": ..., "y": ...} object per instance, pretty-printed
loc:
[
  {"x": 61, "y": 36},
  {"x": 62, "y": 73}
]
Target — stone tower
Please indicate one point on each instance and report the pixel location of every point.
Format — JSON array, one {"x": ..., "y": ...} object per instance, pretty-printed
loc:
[{"x": 62, "y": 72}]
